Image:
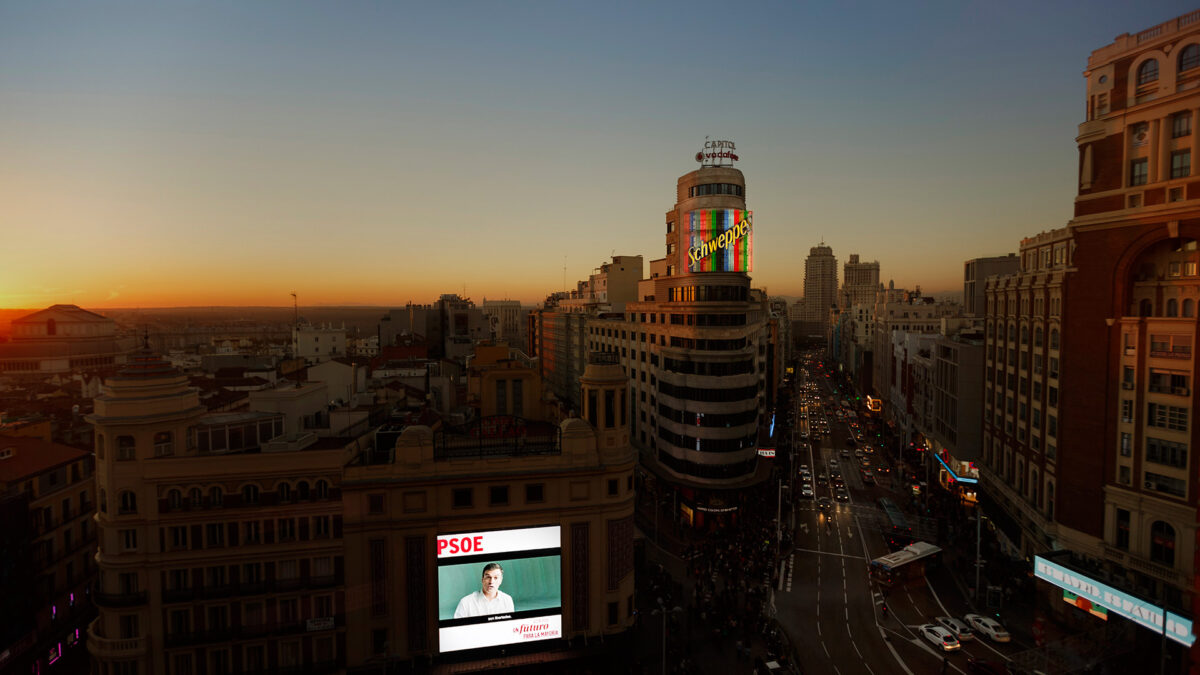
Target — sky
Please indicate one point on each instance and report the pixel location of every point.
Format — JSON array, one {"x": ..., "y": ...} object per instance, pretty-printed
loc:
[{"x": 161, "y": 154}]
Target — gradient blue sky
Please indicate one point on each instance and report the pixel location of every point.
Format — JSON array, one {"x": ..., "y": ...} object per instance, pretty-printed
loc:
[{"x": 188, "y": 153}]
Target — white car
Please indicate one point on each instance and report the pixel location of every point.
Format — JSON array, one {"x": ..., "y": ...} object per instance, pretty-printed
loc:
[
  {"x": 833, "y": 463},
  {"x": 803, "y": 468},
  {"x": 958, "y": 628},
  {"x": 940, "y": 637},
  {"x": 806, "y": 491},
  {"x": 987, "y": 626}
]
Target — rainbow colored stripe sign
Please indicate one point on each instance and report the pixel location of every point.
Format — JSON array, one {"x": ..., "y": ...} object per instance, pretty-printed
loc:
[{"x": 720, "y": 240}]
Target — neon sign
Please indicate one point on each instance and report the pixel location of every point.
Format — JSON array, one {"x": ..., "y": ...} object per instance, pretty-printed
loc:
[{"x": 721, "y": 240}]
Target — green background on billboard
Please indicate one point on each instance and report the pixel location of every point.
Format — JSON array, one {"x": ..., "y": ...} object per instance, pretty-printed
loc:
[{"x": 533, "y": 583}]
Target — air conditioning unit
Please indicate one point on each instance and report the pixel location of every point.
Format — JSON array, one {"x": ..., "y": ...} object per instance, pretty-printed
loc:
[
  {"x": 1150, "y": 485},
  {"x": 1127, "y": 385}
]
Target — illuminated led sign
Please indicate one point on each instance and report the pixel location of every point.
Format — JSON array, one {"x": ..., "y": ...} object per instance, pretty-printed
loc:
[
  {"x": 953, "y": 475},
  {"x": 766, "y": 452},
  {"x": 1141, "y": 612},
  {"x": 719, "y": 240}
]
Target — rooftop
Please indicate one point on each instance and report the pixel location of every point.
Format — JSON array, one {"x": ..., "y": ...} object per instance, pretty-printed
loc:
[{"x": 33, "y": 456}]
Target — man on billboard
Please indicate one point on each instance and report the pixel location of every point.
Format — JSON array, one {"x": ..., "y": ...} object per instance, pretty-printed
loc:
[{"x": 489, "y": 599}]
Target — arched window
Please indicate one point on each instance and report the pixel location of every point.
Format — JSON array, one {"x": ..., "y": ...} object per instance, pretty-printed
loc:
[
  {"x": 1172, "y": 307},
  {"x": 1162, "y": 543},
  {"x": 285, "y": 492},
  {"x": 128, "y": 503},
  {"x": 1012, "y": 333},
  {"x": 99, "y": 446},
  {"x": 1189, "y": 57},
  {"x": 1147, "y": 72},
  {"x": 216, "y": 497},
  {"x": 1189, "y": 308},
  {"x": 164, "y": 444},
  {"x": 322, "y": 490},
  {"x": 1024, "y": 335},
  {"x": 174, "y": 499},
  {"x": 126, "y": 448},
  {"x": 1035, "y": 488},
  {"x": 1145, "y": 308},
  {"x": 302, "y": 489},
  {"x": 250, "y": 494},
  {"x": 194, "y": 498},
  {"x": 1037, "y": 336},
  {"x": 103, "y": 501},
  {"x": 1050, "y": 500},
  {"x": 1053, "y": 338}
]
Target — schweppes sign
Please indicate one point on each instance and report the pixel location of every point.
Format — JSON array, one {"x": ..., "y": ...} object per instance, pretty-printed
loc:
[{"x": 721, "y": 240}]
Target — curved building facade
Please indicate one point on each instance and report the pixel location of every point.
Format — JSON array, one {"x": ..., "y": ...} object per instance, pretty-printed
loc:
[{"x": 696, "y": 347}]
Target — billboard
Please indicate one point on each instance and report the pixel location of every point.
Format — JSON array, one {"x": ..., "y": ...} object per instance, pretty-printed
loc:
[
  {"x": 718, "y": 240},
  {"x": 499, "y": 587},
  {"x": 1141, "y": 612}
]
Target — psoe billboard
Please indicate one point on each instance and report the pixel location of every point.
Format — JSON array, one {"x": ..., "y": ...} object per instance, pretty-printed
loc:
[
  {"x": 1139, "y": 611},
  {"x": 499, "y": 587},
  {"x": 719, "y": 240}
]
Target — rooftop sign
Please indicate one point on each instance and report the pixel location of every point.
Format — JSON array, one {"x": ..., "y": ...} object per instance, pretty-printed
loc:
[{"x": 717, "y": 153}]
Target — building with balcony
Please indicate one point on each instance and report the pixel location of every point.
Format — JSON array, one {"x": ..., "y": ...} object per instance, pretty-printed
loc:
[
  {"x": 499, "y": 472},
  {"x": 220, "y": 536},
  {"x": 62, "y": 339},
  {"x": 47, "y": 500}
]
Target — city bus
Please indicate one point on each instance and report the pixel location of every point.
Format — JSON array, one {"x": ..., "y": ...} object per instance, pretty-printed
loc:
[
  {"x": 896, "y": 530},
  {"x": 906, "y": 565}
]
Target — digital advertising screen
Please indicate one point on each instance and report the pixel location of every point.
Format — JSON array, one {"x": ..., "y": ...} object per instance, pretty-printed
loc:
[
  {"x": 719, "y": 240},
  {"x": 499, "y": 587}
]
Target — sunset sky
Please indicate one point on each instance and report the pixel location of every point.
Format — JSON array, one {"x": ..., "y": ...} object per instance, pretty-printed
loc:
[{"x": 188, "y": 153}]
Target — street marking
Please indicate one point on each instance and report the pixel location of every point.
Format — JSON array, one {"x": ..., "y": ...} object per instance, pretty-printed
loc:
[
  {"x": 842, "y": 555},
  {"x": 824, "y": 647},
  {"x": 856, "y": 651},
  {"x": 895, "y": 654}
]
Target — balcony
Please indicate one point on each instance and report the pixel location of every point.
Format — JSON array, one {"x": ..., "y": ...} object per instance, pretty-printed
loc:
[
  {"x": 119, "y": 599},
  {"x": 1177, "y": 353},
  {"x": 1155, "y": 570},
  {"x": 105, "y": 648}
]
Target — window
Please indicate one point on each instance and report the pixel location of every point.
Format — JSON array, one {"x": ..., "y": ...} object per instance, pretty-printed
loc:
[
  {"x": 216, "y": 497},
  {"x": 174, "y": 499},
  {"x": 1172, "y": 307},
  {"x": 250, "y": 494},
  {"x": 1166, "y": 453},
  {"x": 1126, "y": 444},
  {"x": 1189, "y": 57},
  {"x": 129, "y": 540},
  {"x": 1166, "y": 484},
  {"x": 1181, "y": 125},
  {"x": 498, "y": 495},
  {"x": 1122, "y": 538},
  {"x": 285, "y": 492},
  {"x": 128, "y": 503},
  {"x": 178, "y": 536},
  {"x": 1138, "y": 171},
  {"x": 1189, "y": 306},
  {"x": 518, "y": 397},
  {"x": 375, "y": 504},
  {"x": 321, "y": 529},
  {"x": 129, "y": 626},
  {"x": 214, "y": 534},
  {"x": 612, "y": 487},
  {"x": 286, "y": 528},
  {"x": 379, "y": 641},
  {"x": 1167, "y": 417},
  {"x": 195, "y": 500},
  {"x": 1053, "y": 338},
  {"x": 462, "y": 498},
  {"x": 126, "y": 448},
  {"x": 1126, "y": 410},
  {"x": 1124, "y": 476},
  {"x": 322, "y": 489},
  {"x": 535, "y": 493},
  {"x": 164, "y": 444},
  {"x": 1181, "y": 163},
  {"x": 501, "y": 397},
  {"x": 1162, "y": 543},
  {"x": 1147, "y": 72}
]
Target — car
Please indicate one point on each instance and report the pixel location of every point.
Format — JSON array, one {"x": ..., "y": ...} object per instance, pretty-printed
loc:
[
  {"x": 806, "y": 491},
  {"x": 988, "y": 626},
  {"x": 833, "y": 463},
  {"x": 825, "y": 503},
  {"x": 858, "y": 454},
  {"x": 803, "y": 468},
  {"x": 955, "y": 626},
  {"x": 882, "y": 469},
  {"x": 841, "y": 495},
  {"x": 865, "y": 462},
  {"x": 940, "y": 637},
  {"x": 868, "y": 478},
  {"x": 845, "y": 454},
  {"x": 835, "y": 473},
  {"x": 822, "y": 479}
]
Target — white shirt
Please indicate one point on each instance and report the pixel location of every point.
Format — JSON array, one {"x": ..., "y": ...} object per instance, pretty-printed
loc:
[{"x": 477, "y": 604}]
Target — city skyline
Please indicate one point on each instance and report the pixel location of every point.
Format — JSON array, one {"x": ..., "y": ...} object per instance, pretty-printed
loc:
[{"x": 166, "y": 156}]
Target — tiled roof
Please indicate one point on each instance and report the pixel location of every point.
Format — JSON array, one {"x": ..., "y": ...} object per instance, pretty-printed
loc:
[{"x": 33, "y": 456}]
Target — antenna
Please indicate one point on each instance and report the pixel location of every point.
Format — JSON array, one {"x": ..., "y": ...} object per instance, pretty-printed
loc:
[
  {"x": 295, "y": 308},
  {"x": 564, "y": 272}
]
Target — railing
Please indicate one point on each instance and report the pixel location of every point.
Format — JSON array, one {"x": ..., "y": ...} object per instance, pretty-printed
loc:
[
  {"x": 1154, "y": 569},
  {"x": 1171, "y": 354},
  {"x": 251, "y": 588},
  {"x": 113, "y": 648},
  {"x": 231, "y": 633},
  {"x": 120, "y": 599}
]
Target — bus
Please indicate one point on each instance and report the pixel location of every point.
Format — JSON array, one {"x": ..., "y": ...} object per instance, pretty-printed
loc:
[
  {"x": 896, "y": 530},
  {"x": 906, "y": 565}
]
